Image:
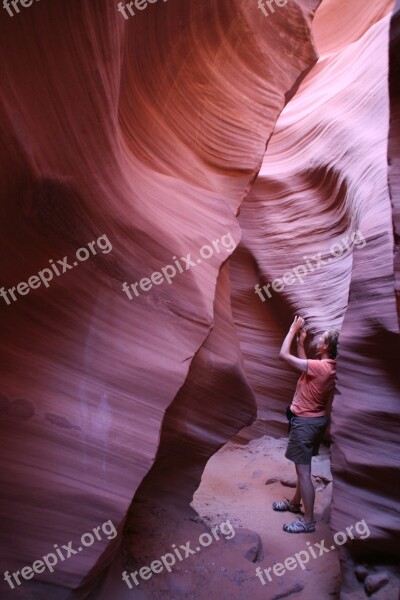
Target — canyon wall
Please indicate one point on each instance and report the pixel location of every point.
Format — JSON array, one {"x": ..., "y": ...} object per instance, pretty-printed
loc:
[{"x": 188, "y": 123}]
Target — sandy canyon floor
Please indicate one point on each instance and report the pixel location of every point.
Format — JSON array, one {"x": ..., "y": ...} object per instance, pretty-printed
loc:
[{"x": 234, "y": 487}]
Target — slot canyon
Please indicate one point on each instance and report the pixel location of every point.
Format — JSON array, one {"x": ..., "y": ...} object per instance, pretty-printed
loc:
[{"x": 179, "y": 179}]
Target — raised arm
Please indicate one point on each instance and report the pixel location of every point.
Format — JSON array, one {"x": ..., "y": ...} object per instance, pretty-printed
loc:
[
  {"x": 298, "y": 363},
  {"x": 301, "y": 337}
]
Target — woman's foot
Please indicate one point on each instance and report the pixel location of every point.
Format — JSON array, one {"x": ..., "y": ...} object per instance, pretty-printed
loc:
[
  {"x": 286, "y": 505},
  {"x": 299, "y": 526}
]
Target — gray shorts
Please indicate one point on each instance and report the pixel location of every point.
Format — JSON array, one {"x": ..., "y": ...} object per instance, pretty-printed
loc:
[{"x": 306, "y": 434}]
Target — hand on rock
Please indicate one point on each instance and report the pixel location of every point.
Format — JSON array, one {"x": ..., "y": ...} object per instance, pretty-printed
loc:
[
  {"x": 297, "y": 324},
  {"x": 301, "y": 336}
]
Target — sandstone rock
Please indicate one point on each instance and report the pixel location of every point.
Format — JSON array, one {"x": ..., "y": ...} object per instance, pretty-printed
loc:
[
  {"x": 291, "y": 483},
  {"x": 325, "y": 502},
  {"x": 242, "y": 486},
  {"x": 21, "y": 409},
  {"x": 249, "y": 543},
  {"x": 190, "y": 122},
  {"x": 296, "y": 589},
  {"x": 375, "y": 582},
  {"x": 271, "y": 480},
  {"x": 361, "y": 572},
  {"x": 256, "y": 474},
  {"x": 180, "y": 584}
]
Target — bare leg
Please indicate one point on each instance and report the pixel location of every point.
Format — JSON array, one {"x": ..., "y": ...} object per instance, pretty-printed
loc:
[
  {"x": 307, "y": 491},
  {"x": 297, "y": 495}
]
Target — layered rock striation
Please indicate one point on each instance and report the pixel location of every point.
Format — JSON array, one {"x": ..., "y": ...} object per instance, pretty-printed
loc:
[{"x": 186, "y": 124}]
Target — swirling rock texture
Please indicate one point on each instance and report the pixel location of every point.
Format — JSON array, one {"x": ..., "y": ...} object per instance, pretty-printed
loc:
[
  {"x": 394, "y": 142},
  {"x": 152, "y": 131},
  {"x": 306, "y": 197}
]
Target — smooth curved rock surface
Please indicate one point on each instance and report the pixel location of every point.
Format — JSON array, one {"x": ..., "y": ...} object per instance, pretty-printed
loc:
[
  {"x": 105, "y": 134},
  {"x": 394, "y": 139},
  {"x": 153, "y": 132},
  {"x": 324, "y": 177}
]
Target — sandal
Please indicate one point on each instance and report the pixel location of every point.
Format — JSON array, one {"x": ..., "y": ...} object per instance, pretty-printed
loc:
[
  {"x": 299, "y": 527},
  {"x": 286, "y": 505}
]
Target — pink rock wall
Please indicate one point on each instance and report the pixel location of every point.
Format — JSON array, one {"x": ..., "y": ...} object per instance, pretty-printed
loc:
[
  {"x": 394, "y": 142},
  {"x": 153, "y": 131},
  {"x": 102, "y": 139},
  {"x": 324, "y": 176}
]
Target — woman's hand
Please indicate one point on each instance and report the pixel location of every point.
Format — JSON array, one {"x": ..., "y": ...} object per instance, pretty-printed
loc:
[
  {"x": 298, "y": 362},
  {"x": 297, "y": 324},
  {"x": 301, "y": 336}
]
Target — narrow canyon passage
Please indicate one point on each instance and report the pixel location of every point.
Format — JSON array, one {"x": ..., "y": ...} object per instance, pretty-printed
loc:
[{"x": 179, "y": 179}]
